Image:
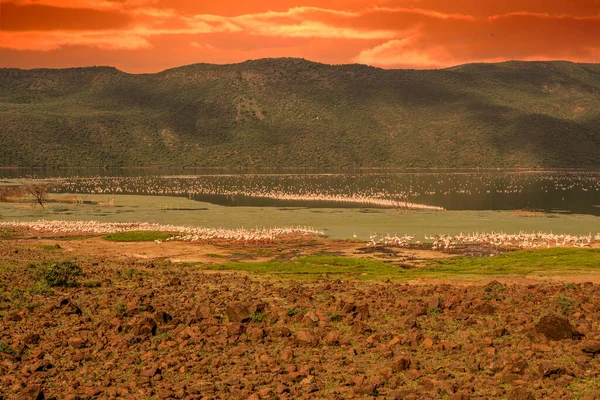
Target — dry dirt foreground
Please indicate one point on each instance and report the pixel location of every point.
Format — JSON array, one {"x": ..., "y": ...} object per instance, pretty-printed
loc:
[{"x": 137, "y": 328}]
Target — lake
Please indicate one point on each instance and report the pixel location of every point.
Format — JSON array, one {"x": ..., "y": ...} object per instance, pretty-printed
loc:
[{"x": 551, "y": 191}]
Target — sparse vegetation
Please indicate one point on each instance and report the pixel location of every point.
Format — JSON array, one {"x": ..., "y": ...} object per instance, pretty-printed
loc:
[
  {"x": 296, "y": 113},
  {"x": 137, "y": 236},
  {"x": 62, "y": 273}
]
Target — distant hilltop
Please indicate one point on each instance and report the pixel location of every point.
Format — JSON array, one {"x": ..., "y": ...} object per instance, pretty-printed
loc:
[{"x": 276, "y": 113}]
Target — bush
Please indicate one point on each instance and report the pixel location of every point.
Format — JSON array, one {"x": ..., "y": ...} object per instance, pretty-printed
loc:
[
  {"x": 4, "y": 348},
  {"x": 62, "y": 274}
]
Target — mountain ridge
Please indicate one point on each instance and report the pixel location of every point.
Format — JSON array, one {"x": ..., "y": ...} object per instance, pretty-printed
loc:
[{"x": 293, "y": 113}]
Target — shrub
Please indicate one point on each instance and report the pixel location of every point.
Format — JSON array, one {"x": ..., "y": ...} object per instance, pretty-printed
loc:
[
  {"x": 564, "y": 303},
  {"x": 62, "y": 274},
  {"x": 258, "y": 316},
  {"x": 4, "y": 348}
]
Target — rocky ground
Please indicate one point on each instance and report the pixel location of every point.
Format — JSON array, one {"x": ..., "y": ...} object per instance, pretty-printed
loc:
[{"x": 138, "y": 328}]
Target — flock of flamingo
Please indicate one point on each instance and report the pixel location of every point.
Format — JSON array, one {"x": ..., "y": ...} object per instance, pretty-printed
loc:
[
  {"x": 522, "y": 240},
  {"x": 183, "y": 233},
  {"x": 442, "y": 243}
]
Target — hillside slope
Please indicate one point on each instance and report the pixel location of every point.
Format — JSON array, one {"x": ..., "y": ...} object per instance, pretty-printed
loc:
[{"x": 296, "y": 113}]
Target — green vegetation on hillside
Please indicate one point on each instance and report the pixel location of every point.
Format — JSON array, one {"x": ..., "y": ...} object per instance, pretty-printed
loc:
[{"x": 296, "y": 113}]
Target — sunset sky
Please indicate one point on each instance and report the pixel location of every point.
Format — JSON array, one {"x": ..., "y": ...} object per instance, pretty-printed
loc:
[{"x": 152, "y": 35}]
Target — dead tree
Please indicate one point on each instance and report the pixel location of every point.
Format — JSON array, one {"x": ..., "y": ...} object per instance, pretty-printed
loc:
[{"x": 39, "y": 191}]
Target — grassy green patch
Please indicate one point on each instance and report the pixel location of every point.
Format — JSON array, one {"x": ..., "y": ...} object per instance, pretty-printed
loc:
[
  {"x": 4, "y": 348},
  {"x": 62, "y": 274},
  {"x": 211, "y": 255},
  {"x": 316, "y": 266},
  {"x": 136, "y": 236},
  {"x": 545, "y": 262},
  {"x": 523, "y": 262}
]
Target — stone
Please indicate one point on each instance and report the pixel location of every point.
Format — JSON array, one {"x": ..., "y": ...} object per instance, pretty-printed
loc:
[
  {"x": 238, "y": 312},
  {"x": 32, "y": 392},
  {"x": 520, "y": 393},
  {"x": 145, "y": 326},
  {"x": 332, "y": 338},
  {"x": 31, "y": 339},
  {"x": 308, "y": 338},
  {"x": 556, "y": 328},
  {"x": 591, "y": 346},
  {"x": 69, "y": 308},
  {"x": 400, "y": 364}
]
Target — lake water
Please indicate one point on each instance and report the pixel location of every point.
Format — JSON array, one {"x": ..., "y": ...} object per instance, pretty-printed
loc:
[{"x": 552, "y": 191}]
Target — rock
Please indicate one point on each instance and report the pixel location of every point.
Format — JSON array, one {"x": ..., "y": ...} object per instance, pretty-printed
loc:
[
  {"x": 520, "y": 393},
  {"x": 360, "y": 327},
  {"x": 69, "y": 308},
  {"x": 485, "y": 308},
  {"x": 547, "y": 368},
  {"x": 332, "y": 338},
  {"x": 77, "y": 343},
  {"x": 203, "y": 312},
  {"x": 556, "y": 328},
  {"x": 460, "y": 395},
  {"x": 31, "y": 339},
  {"x": 151, "y": 372},
  {"x": 286, "y": 354},
  {"x": 400, "y": 364},
  {"x": 434, "y": 302},
  {"x": 256, "y": 333},
  {"x": 365, "y": 386},
  {"x": 310, "y": 319},
  {"x": 348, "y": 306},
  {"x": 307, "y": 338},
  {"x": 362, "y": 311},
  {"x": 280, "y": 331},
  {"x": 13, "y": 317},
  {"x": 242, "y": 311},
  {"x": 162, "y": 317},
  {"x": 145, "y": 326},
  {"x": 235, "y": 329},
  {"x": 591, "y": 346},
  {"x": 32, "y": 392}
]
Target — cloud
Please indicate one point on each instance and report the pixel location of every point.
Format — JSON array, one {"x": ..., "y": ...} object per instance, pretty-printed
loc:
[{"x": 385, "y": 33}]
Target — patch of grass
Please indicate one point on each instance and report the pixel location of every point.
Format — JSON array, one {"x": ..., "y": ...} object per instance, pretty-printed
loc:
[
  {"x": 258, "y": 316},
  {"x": 121, "y": 310},
  {"x": 62, "y": 274},
  {"x": 542, "y": 262},
  {"x": 523, "y": 262},
  {"x": 565, "y": 304},
  {"x": 136, "y": 236},
  {"x": 312, "y": 267},
  {"x": 42, "y": 288},
  {"x": 7, "y": 233},
  {"x": 294, "y": 311},
  {"x": 211, "y": 255},
  {"x": 335, "y": 316},
  {"x": 4, "y": 348}
]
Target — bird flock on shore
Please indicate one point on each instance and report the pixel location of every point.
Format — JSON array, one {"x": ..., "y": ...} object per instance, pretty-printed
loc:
[
  {"x": 182, "y": 233},
  {"x": 522, "y": 240}
]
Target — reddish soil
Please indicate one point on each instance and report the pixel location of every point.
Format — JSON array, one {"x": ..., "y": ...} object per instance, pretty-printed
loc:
[{"x": 143, "y": 327}]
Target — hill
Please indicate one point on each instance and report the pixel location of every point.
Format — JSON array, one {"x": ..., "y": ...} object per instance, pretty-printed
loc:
[{"x": 273, "y": 113}]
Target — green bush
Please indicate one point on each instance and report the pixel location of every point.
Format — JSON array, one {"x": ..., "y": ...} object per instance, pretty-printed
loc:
[
  {"x": 4, "y": 348},
  {"x": 62, "y": 274}
]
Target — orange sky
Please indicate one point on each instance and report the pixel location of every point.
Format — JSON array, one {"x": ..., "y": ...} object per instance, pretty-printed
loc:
[{"x": 151, "y": 35}]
